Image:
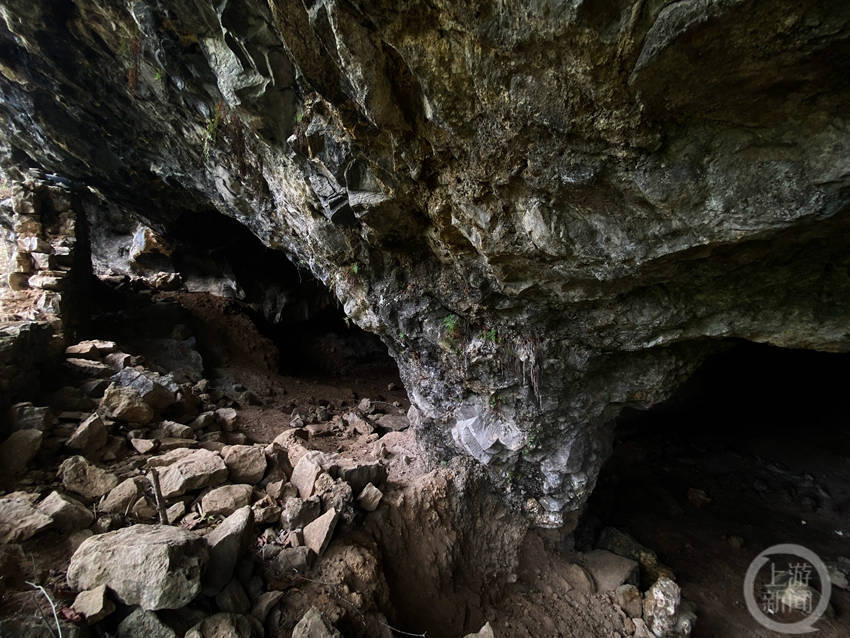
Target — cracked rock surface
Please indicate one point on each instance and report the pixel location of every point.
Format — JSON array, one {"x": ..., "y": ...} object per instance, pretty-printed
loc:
[{"x": 548, "y": 211}]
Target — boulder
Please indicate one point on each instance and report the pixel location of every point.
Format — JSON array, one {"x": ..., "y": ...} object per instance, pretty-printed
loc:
[
  {"x": 153, "y": 566},
  {"x": 313, "y": 625},
  {"x": 629, "y": 600},
  {"x": 224, "y": 500},
  {"x": 358, "y": 475},
  {"x": 305, "y": 473},
  {"x": 94, "y": 604},
  {"x": 299, "y": 512},
  {"x": 609, "y": 570},
  {"x": 233, "y": 598},
  {"x": 125, "y": 404},
  {"x": 369, "y": 498},
  {"x": 121, "y": 497},
  {"x": 157, "y": 391},
  {"x": 265, "y": 603},
  {"x": 393, "y": 422},
  {"x": 293, "y": 560},
  {"x": 246, "y": 463},
  {"x": 227, "y": 543},
  {"x": 661, "y": 607},
  {"x": 144, "y": 624},
  {"x": 19, "y": 449},
  {"x": 83, "y": 478},
  {"x": 193, "y": 471},
  {"x": 19, "y": 520},
  {"x": 227, "y": 419},
  {"x": 67, "y": 513},
  {"x": 318, "y": 534},
  {"x": 225, "y": 625},
  {"x": 485, "y": 632},
  {"x": 90, "y": 436},
  {"x": 25, "y": 416}
]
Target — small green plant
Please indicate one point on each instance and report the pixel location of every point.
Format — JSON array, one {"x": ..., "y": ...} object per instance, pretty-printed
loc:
[
  {"x": 212, "y": 128},
  {"x": 531, "y": 439},
  {"x": 450, "y": 324},
  {"x": 355, "y": 268},
  {"x": 159, "y": 75},
  {"x": 491, "y": 335}
]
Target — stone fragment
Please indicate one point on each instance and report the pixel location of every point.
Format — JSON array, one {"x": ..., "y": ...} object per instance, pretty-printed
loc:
[
  {"x": 313, "y": 625},
  {"x": 299, "y": 512},
  {"x": 265, "y": 603},
  {"x": 175, "y": 512},
  {"x": 223, "y": 625},
  {"x": 233, "y": 598},
  {"x": 19, "y": 449},
  {"x": 609, "y": 570},
  {"x": 83, "y": 478},
  {"x": 125, "y": 404},
  {"x": 90, "y": 436},
  {"x": 172, "y": 456},
  {"x": 199, "y": 469},
  {"x": 144, "y": 446},
  {"x": 629, "y": 599},
  {"x": 227, "y": 542},
  {"x": 360, "y": 425},
  {"x": 369, "y": 498},
  {"x": 393, "y": 422},
  {"x": 641, "y": 630},
  {"x": 118, "y": 360},
  {"x": 358, "y": 475},
  {"x": 19, "y": 520},
  {"x": 661, "y": 607},
  {"x": 485, "y": 632},
  {"x": 305, "y": 473},
  {"x": 227, "y": 418},
  {"x": 67, "y": 513},
  {"x": 174, "y": 430},
  {"x": 246, "y": 463},
  {"x": 224, "y": 500},
  {"x": 265, "y": 512},
  {"x": 94, "y": 604},
  {"x": 153, "y": 566},
  {"x": 318, "y": 534},
  {"x": 144, "y": 624},
  {"x": 25, "y": 416},
  {"x": 87, "y": 369},
  {"x": 622, "y": 544},
  {"x": 294, "y": 559},
  {"x": 121, "y": 497},
  {"x": 157, "y": 391}
]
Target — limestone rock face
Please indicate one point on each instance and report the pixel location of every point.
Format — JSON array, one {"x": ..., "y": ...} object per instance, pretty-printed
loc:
[{"x": 547, "y": 211}]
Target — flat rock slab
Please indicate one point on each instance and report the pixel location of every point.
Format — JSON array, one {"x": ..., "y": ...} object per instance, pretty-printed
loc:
[
  {"x": 247, "y": 463},
  {"x": 19, "y": 449},
  {"x": 305, "y": 473},
  {"x": 67, "y": 513},
  {"x": 19, "y": 520},
  {"x": 193, "y": 471},
  {"x": 153, "y": 566},
  {"x": 125, "y": 404},
  {"x": 227, "y": 543},
  {"x": 83, "y": 478},
  {"x": 318, "y": 534},
  {"x": 609, "y": 570},
  {"x": 144, "y": 624},
  {"x": 224, "y": 500},
  {"x": 94, "y": 604}
]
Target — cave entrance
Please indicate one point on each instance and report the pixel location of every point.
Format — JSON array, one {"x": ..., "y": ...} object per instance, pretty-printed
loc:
[
  {"x": 753, "y": 451},
  {"x": 258, "y": 321}
]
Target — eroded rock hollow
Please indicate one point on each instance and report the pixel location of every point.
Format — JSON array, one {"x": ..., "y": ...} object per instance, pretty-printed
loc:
[{"x": 548, "y": 211}]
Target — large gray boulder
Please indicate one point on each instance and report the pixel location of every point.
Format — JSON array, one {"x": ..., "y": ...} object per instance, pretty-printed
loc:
[{"x": 152, "y": 566}]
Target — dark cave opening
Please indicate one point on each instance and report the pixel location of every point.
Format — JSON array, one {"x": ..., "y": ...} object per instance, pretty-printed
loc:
[
  {"x": 751, "y": 452},
  {"x": 245, "y": 303}
]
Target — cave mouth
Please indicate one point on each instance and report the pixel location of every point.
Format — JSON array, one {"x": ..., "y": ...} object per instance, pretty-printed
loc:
[
  {"x": 249, "y": 306},
  {"x": 751, "y": 452}
]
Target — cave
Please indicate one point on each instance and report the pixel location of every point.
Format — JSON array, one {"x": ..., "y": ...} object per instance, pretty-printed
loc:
[{"x": 457, "y": 319}]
